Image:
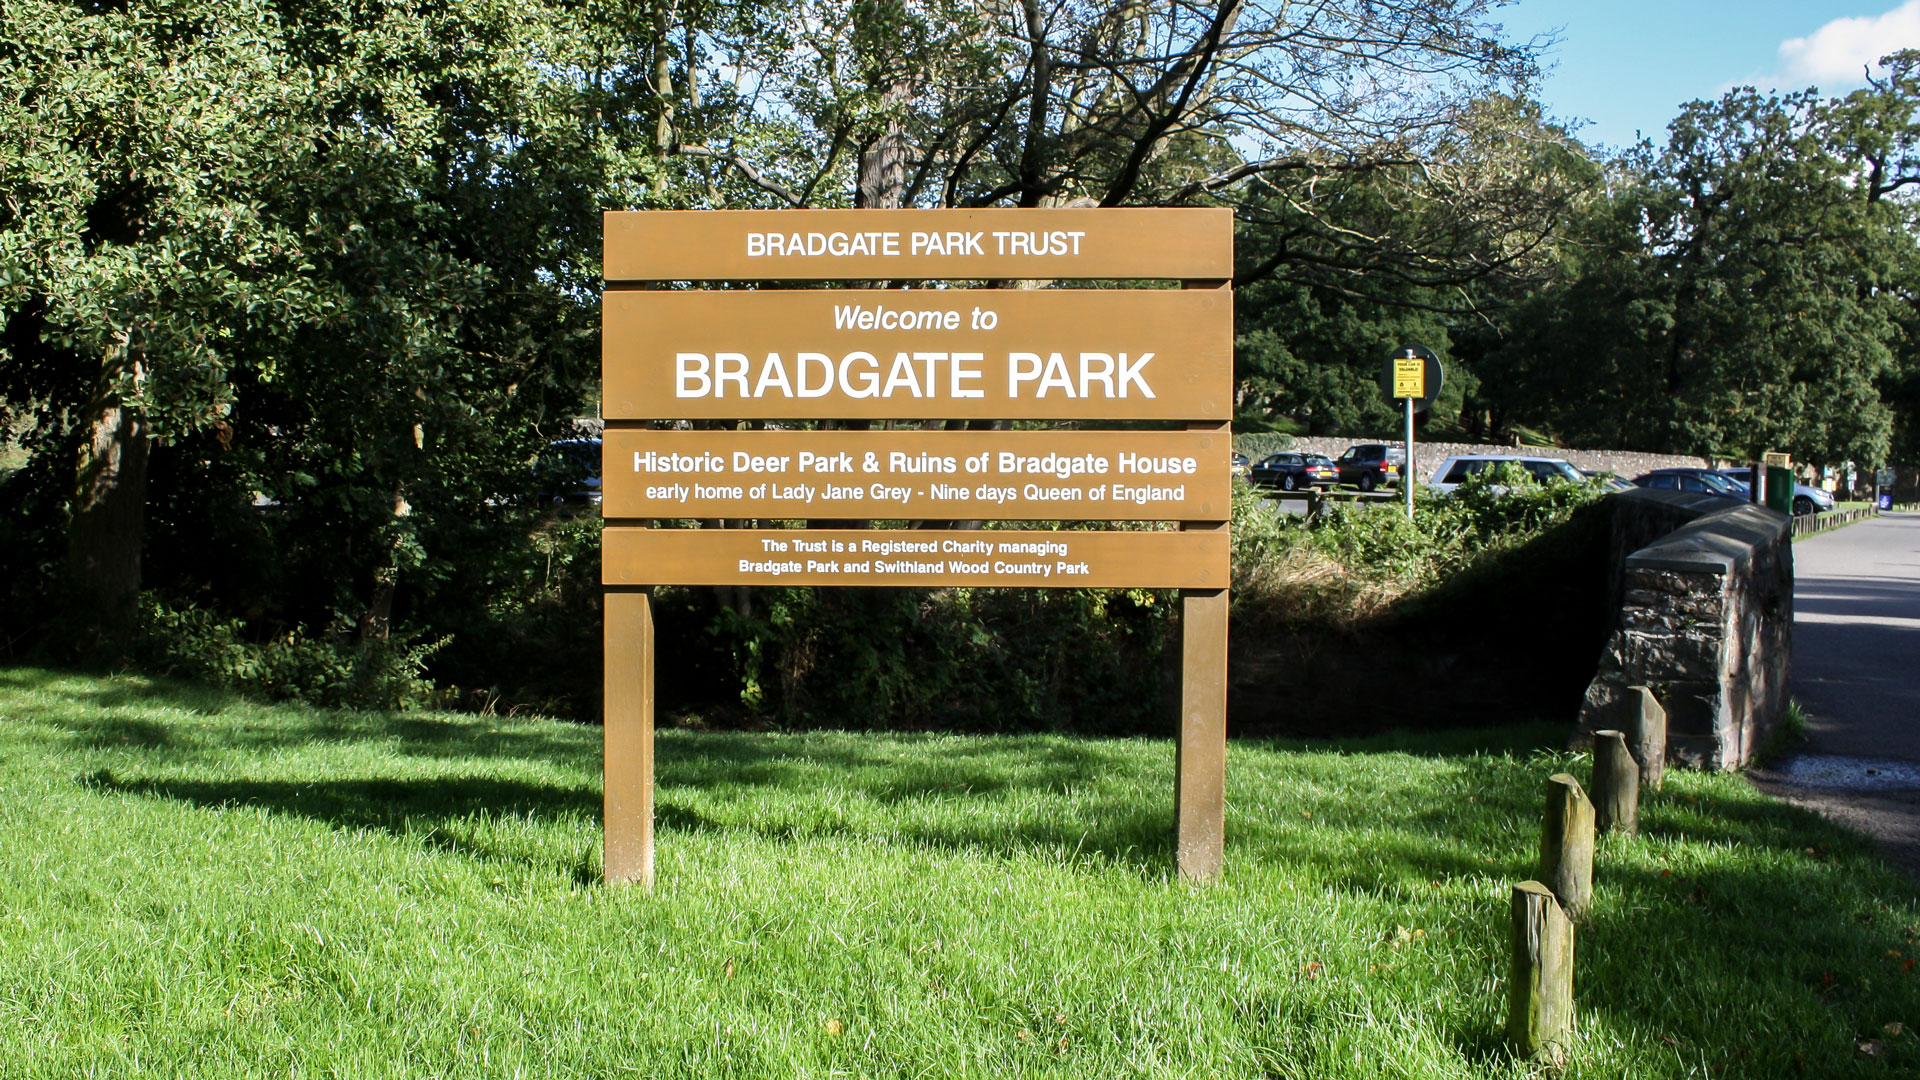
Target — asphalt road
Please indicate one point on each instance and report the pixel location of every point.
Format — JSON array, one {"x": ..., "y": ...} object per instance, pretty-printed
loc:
[{"x": 1856, "y": 674}]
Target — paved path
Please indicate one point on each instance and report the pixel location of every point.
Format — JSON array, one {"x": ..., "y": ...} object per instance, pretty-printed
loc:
[{"x": 1856, "y": 673}]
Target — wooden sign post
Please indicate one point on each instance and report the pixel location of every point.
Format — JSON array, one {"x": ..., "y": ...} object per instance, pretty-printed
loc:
[{"x": 1081, "y": 355}]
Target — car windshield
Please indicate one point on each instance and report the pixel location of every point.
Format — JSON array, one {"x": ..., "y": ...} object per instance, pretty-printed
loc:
[
  {"x": 1718, "y": 484},
  {"x": 1552, "y": 470}
]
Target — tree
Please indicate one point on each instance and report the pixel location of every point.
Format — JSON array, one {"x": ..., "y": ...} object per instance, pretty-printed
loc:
[
  {"x": 355, "y": 247},
  {"x": 1112, "y": 103},
  {"x": 1740, "y": 292},
  {"x": 1350, "y": 268}
]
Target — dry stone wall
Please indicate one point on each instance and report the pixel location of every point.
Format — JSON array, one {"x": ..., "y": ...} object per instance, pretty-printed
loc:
[
  {"x": 1706, "y": 622},
  {"x": 1429, "y": 455}
]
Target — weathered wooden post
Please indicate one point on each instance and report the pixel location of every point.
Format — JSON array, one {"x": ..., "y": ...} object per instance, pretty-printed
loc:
[
  {"x": 1540, "y": 978},
  {"x": 1645, "y": 723},
  {"x": 1566, "y": 845},
  {"x": 1616, "y": 784}
]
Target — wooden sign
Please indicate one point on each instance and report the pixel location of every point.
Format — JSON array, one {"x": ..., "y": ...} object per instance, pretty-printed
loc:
[
  {"x": 1003, "y": 475},
  {"x": 1136, "y": 354},
  {"x": 1048, "y": 559},
  {"x": 878, "y": 245},
  {"x": 934, "y": 354}
]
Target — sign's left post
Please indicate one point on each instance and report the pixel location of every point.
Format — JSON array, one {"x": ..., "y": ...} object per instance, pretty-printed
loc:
[
  {"x": 628, "y": 734},
  {"x": 627, "y": 696}
]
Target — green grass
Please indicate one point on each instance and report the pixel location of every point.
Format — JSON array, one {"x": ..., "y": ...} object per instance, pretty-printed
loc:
[{"x": 196, "y": 886}]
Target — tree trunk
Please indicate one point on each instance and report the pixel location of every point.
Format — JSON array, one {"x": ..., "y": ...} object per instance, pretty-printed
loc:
[
  {"x": 109, "y": 521},
  {"x": 376, "y": 621}
]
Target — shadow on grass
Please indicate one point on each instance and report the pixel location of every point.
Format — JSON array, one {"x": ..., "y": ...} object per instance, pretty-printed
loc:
[
  {"x": 749, "y": 772},
  {"x": 425, "y": 811}
]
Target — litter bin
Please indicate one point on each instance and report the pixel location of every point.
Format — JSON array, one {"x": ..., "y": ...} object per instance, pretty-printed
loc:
[
  {"x": 1780, "y": 488},
  {"x": 1886, "y": 500}
]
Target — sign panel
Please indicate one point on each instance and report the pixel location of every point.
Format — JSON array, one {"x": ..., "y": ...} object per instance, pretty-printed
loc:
[
  {"x": 1409, "y": 378},
  {"x": 876, "y": 245},
  {"x": 1025, "y": 558},
  {"x": 1412, "y": 373},
  {"x": 1039, "y": 354},
  {"x": 1007, "y": 475}
]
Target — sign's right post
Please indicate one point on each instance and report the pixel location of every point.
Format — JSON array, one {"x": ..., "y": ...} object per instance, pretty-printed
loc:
[{"x": 1200, "y": 780}]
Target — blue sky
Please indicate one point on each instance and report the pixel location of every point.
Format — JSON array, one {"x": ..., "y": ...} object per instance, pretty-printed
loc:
[{"x": 1627, "y": 65}]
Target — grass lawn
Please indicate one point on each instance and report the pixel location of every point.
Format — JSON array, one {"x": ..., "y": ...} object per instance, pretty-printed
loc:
[{"x": 200, "y": 887}]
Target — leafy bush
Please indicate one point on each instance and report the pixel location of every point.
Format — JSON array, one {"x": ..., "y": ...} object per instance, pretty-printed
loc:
[
  {"x": 1354, "y": 559},
  {"x": 951, "y": 659},
  {"x": 329, "y": 671}
]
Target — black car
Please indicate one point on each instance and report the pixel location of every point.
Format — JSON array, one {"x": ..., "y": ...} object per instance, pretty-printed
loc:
[
  {"x": 1696, "y": 481},
  {"x": 568, "y": 472},
  {"x": 1371, "y": 465},
  {"x": 1291, "y": 471}
]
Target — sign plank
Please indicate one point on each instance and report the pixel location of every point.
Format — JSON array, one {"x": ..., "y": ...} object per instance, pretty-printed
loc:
[
  {"x": 1025, "y": 354},
  {"x": 896, "y": 245},
  {"x": 999, "y": 557},
  {"x": 1006, "y": 475}
]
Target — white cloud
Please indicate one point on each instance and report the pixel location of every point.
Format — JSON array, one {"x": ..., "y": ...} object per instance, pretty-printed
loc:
[{"x": 1836, "y": 56}]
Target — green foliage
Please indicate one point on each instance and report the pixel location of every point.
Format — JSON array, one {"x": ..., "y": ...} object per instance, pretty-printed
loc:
[
  {"x": 1743, "y": 290},
  {"x": 1340, "y": 272},
  {"x": 330, "y": 672},
  {"x": 1355, "y": 558},
  {"x": 952, "y": 659}
]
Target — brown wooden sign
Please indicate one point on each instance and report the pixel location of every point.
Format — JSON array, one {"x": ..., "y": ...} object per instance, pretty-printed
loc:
[
  {"x": 1027, "y": 558},
  {"x": 1005, "y": 475},
  {"x": 1134, "y": 354},
  {"x": 856, "y": 245},
  {"x": 1089, "y": 355}
]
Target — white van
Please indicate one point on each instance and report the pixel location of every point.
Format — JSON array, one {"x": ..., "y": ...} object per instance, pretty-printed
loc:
[{"x": 1456, "y": 469}]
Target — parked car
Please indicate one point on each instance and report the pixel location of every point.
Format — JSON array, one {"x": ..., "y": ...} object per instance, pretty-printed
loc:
[
  {"x": 1292, "y": 471},
  {"x": 1613, "y": 480},
  {"x": 1806, "y": 499},
  {"x": 1370, "y": 465},
  {"x": 1239, "y": 466},
  {"x": 1327, "y": 472},
  {"x": 568, "y": 472},
  {"x": 1698, "y": 481},
  {"x": 1455, "y": 470}
]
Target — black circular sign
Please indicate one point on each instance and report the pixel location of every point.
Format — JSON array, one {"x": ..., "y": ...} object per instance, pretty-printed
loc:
[{"x": 1396, "y": 373}]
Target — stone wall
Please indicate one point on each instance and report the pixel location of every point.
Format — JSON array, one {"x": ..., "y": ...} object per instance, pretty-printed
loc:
[
  {"x": 1706, "y": 621},
  {"x": 1429, "y": 455}
]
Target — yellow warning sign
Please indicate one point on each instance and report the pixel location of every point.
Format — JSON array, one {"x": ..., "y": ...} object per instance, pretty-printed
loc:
[{"x": 1409, "y": 377}]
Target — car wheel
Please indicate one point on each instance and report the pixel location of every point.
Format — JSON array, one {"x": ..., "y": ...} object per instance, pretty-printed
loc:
[
  {"x": 1802, "y": 505},
  {"x": 1287, "y": 482},
  {"x": 1366, "y": 481}
]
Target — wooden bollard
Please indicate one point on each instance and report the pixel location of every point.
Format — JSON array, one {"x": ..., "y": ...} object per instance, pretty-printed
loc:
[
  {"x": 1566, "y": 845},
  {"x": 1645, "y": 723},
  {"x": 1616, "y": 784},
  {"x": 1540, "y": 979}
]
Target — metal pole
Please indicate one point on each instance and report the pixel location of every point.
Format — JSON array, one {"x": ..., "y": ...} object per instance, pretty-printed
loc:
[{"x": 1406, "y": 473}]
